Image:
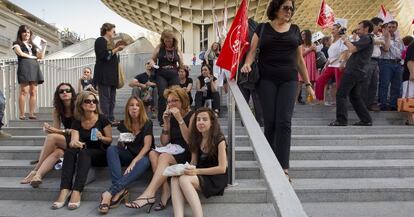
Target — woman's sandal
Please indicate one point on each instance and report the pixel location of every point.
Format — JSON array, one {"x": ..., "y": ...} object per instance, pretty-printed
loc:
[
  {"x": 22, "y": 118},
  {"x": 32, "y": 117},
  {"x": 103, "y": 207},
  {"x": 161, "y": 205},
  {"x": 75, "y": 205},
  {"x": 36, "y": 181},
  {"x": 29, "y": 177},
  {"x": 124, "y": 197},
  {"x": 58, "y": 205},
  {"x": 287, "y": 175},
  {"x": 135, "y": 205}
]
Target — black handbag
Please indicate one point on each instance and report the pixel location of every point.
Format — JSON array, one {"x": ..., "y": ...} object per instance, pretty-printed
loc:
[
  {"x": 249, "y": 80},
  {"x": 320, "y": 60}
]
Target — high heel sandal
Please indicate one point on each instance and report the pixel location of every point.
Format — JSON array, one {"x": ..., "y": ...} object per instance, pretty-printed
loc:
[
  {"x": 29, "y": 177},
  {"x": 287, "y": 175},
  {"x": 103, "y": 207},
  {"x": 36, "y": 181},
  {"x": 161, "y": 205},
  {"x": 135, "y": 205},
  {"x": 58, "y": 205},
  {"x": 75, "y": 205},
  {"x": 124, "y": 197}
]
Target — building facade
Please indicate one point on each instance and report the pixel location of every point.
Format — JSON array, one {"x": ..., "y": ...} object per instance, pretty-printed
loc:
[{"x": 193, "y": 20}]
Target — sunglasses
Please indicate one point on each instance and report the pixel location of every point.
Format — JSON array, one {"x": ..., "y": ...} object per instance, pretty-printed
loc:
[
  {"x": 90, "y": 101},
  {"x": 287, "y": 8},
  {"x": 65, "y": 91}
]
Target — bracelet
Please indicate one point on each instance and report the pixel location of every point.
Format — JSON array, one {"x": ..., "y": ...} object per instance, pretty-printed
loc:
[
  {"x": 165, "y": 132},
  {"x": 308, "y": 84},
  {"x": 181, "y": 122}
]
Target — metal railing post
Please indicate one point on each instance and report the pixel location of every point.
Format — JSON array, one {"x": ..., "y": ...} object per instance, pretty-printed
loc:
[{"x": 231, "y": 140}]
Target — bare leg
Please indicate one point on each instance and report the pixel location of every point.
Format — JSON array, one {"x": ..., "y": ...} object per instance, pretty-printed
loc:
[
  {"x": 49, "y": 162},
  {"x": 157, "y": 180},
  {"x": 189, "y": 185},
  {"x": 32, "y": 99},
  {"x": 24, "y": 91},
  {"x": 154, "y": 156},
  {"x": 177, "y": 196},
  {"x": 52, "y": 142}
]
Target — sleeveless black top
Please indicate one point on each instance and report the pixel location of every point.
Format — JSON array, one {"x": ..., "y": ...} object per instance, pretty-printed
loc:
[
  {"x": 168, "y": 58},
  {"x": 66, "y": 121}
]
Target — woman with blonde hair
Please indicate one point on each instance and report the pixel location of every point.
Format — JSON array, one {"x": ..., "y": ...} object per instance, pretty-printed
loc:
[
  {"x": 176, "y": 130},
  {"x": 168, "y": 59},
  {"x": 90, "y": 137},
  {"x": 133, "y": 154},
  {"x": 212, "y": 54}
]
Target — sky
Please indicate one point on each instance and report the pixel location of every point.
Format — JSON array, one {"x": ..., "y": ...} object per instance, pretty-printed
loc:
[{"x": 84, "y": 17}]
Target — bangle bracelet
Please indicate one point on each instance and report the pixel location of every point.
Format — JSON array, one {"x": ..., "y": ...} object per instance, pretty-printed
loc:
[
  {"x": 181, "y": 122},
  {"x": 165, "y": 132}
]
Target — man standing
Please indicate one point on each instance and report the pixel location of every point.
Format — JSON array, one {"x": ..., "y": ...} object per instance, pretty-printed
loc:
[
  {"x": 3, "y": 135},
  {"x": 369, "y": 89},
  {"x": 390, "y": 69},
  {"x": 354, "y": 76}
]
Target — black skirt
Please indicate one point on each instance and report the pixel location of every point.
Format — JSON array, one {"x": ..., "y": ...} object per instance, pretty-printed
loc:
[{"x": 28, "y": 70}]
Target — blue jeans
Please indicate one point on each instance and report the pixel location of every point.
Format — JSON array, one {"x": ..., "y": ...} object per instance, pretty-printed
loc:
[
  {"x": 118, "y": 157},
  {"x": 2, "y": 107},
  {"x": 389, "y": 73}
]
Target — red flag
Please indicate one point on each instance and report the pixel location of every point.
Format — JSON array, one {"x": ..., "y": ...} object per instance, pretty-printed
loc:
[
  {"x": 326, "y": 16},
  {"x": 385, "y": 15},
  {"x": 236, "y": 43}
]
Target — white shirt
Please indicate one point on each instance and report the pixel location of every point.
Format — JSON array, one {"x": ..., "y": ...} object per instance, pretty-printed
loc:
[
  {"x": 335, "y": 51},
  {"x": 377, "y": 48}
]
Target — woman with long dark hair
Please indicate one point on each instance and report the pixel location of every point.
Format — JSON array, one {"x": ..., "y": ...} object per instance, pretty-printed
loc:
[
  {"x": 57, "y": 139},
  {"x": 206, "y": 87},
  {"x": 210, "y": 175},
  {"x": 28, "y": 69},
  {"x": 186, "y": 82},
  {"x": 280, "y": 60},
  {"x": 133, "y": 154}
]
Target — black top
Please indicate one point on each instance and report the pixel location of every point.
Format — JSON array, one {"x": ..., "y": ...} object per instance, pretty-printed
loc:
[
  {"x": 201, "y": 80},
  {"x": 187, "y": 81},
  {"x": 168, "y": 58},
  {"x": 29, "y": 49},
  {"x": 67, "y": 121},
  {"x": 136, "y": 146},
  {"x": 409, "y": 57},
  {"x": 85, "y": 83},
  {"x": 106, "y": 67},
  {"x": 324, "y": 50},
  {"x": 175, "y": 133},
  {"x": 358, "y": 60},
  {"x": 144, "y": 78},
  {"x": 277, "y": 57},
  {"x": 85, "y": 134}
]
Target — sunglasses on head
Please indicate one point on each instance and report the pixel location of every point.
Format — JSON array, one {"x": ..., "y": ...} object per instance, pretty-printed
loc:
[
  {"x": 65, "y": 91},
  {"x": 90, "y": 101},
  {"x": 287, "y": 8}
]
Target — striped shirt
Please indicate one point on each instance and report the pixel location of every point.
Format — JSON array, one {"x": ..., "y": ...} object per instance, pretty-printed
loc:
[{"x": 395, "y": 51}]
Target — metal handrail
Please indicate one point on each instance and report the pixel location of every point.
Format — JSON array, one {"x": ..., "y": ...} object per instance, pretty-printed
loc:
[{"x": 285, "y": 200}]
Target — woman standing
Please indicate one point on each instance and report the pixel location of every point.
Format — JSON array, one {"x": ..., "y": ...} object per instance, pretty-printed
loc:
[
  {"x": 176, "y": 130},
  {"x": 132, "y": 154},
  {"x": 186, "y": 82},
  {"x": 210, "y": 175},
  {"x": 106, "y": 69},
  {"x": 56, "y": 140},
  {"x": 90, "y": 137},
  {"x": 280, "y": 60},
  {"x": 28, "y": 70},
  {"x": 212, "y": 54},
  {"x": 169, "y": 59}
]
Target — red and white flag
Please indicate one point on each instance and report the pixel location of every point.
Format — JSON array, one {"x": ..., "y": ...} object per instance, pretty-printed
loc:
[
  {"x": 225, "y": 17},
  {"x": 236, "y": 43},
  {"x": 385, "y": 15},
  {"x": 326, "y": 17}
]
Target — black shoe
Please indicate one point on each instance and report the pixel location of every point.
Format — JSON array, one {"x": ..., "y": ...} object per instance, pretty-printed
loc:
[
  {"x": 337, "y": 123},
  {"x": 361, "y": 123},
  {"x": 393, "y": 109},
  {"x": 374, "y": 108}
]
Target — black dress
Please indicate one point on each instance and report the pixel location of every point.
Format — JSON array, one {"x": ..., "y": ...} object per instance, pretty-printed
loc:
[
  {"x": 211, "y": 185},
  {"x": 67, "y": 124},
  {"x": 177, "y": 138},
  {"x": 28, "y": 70}
]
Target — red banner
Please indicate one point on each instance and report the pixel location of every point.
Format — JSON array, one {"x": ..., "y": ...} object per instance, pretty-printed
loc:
[
  {"x": 236, "y": 43},
  {"x": 326, "y": 16}
]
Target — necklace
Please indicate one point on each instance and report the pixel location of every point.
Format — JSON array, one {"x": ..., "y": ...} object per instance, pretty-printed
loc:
[{"x": 169, "y": 55}]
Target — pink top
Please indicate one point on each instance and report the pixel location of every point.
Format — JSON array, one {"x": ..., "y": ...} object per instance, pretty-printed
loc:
[{"x": 310, "y": 62}]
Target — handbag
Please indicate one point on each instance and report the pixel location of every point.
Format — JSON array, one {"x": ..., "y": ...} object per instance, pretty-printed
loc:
[
  {"x": 121, "y": 77},
  {"x": 406, "y": 104},
  {"x": 320, "y": 60},
  {"x": 249, "y": 80}
]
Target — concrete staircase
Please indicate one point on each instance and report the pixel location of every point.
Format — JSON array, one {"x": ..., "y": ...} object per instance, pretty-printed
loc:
[{"x": 248, "y": 198}]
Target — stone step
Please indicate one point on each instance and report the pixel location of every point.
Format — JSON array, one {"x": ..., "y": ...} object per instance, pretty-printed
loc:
[
  {"x": 360, "y": 209},
  {"x": 351, "y": 168},
  {"x": 352, "y": 152},
  {"x": 325, "y": 121},
  {"x": 351, "y": 115},
  {"x": 354, "y": 190},
  {"x": 20, "y": 168},
  {"x": 32, "y": 152},
  {"x": 246, "y": 191},
  {"x": 89, "y": 208},
  {"x": 349, "y": 140},
  {"x": 241, "y": 140}
]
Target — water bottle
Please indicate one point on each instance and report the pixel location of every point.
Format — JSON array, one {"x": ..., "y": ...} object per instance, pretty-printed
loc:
[
  {"x": 59, "y": 164},
  {"x": 206, "y": 80},
  {"x": 93, "y": 134}
]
